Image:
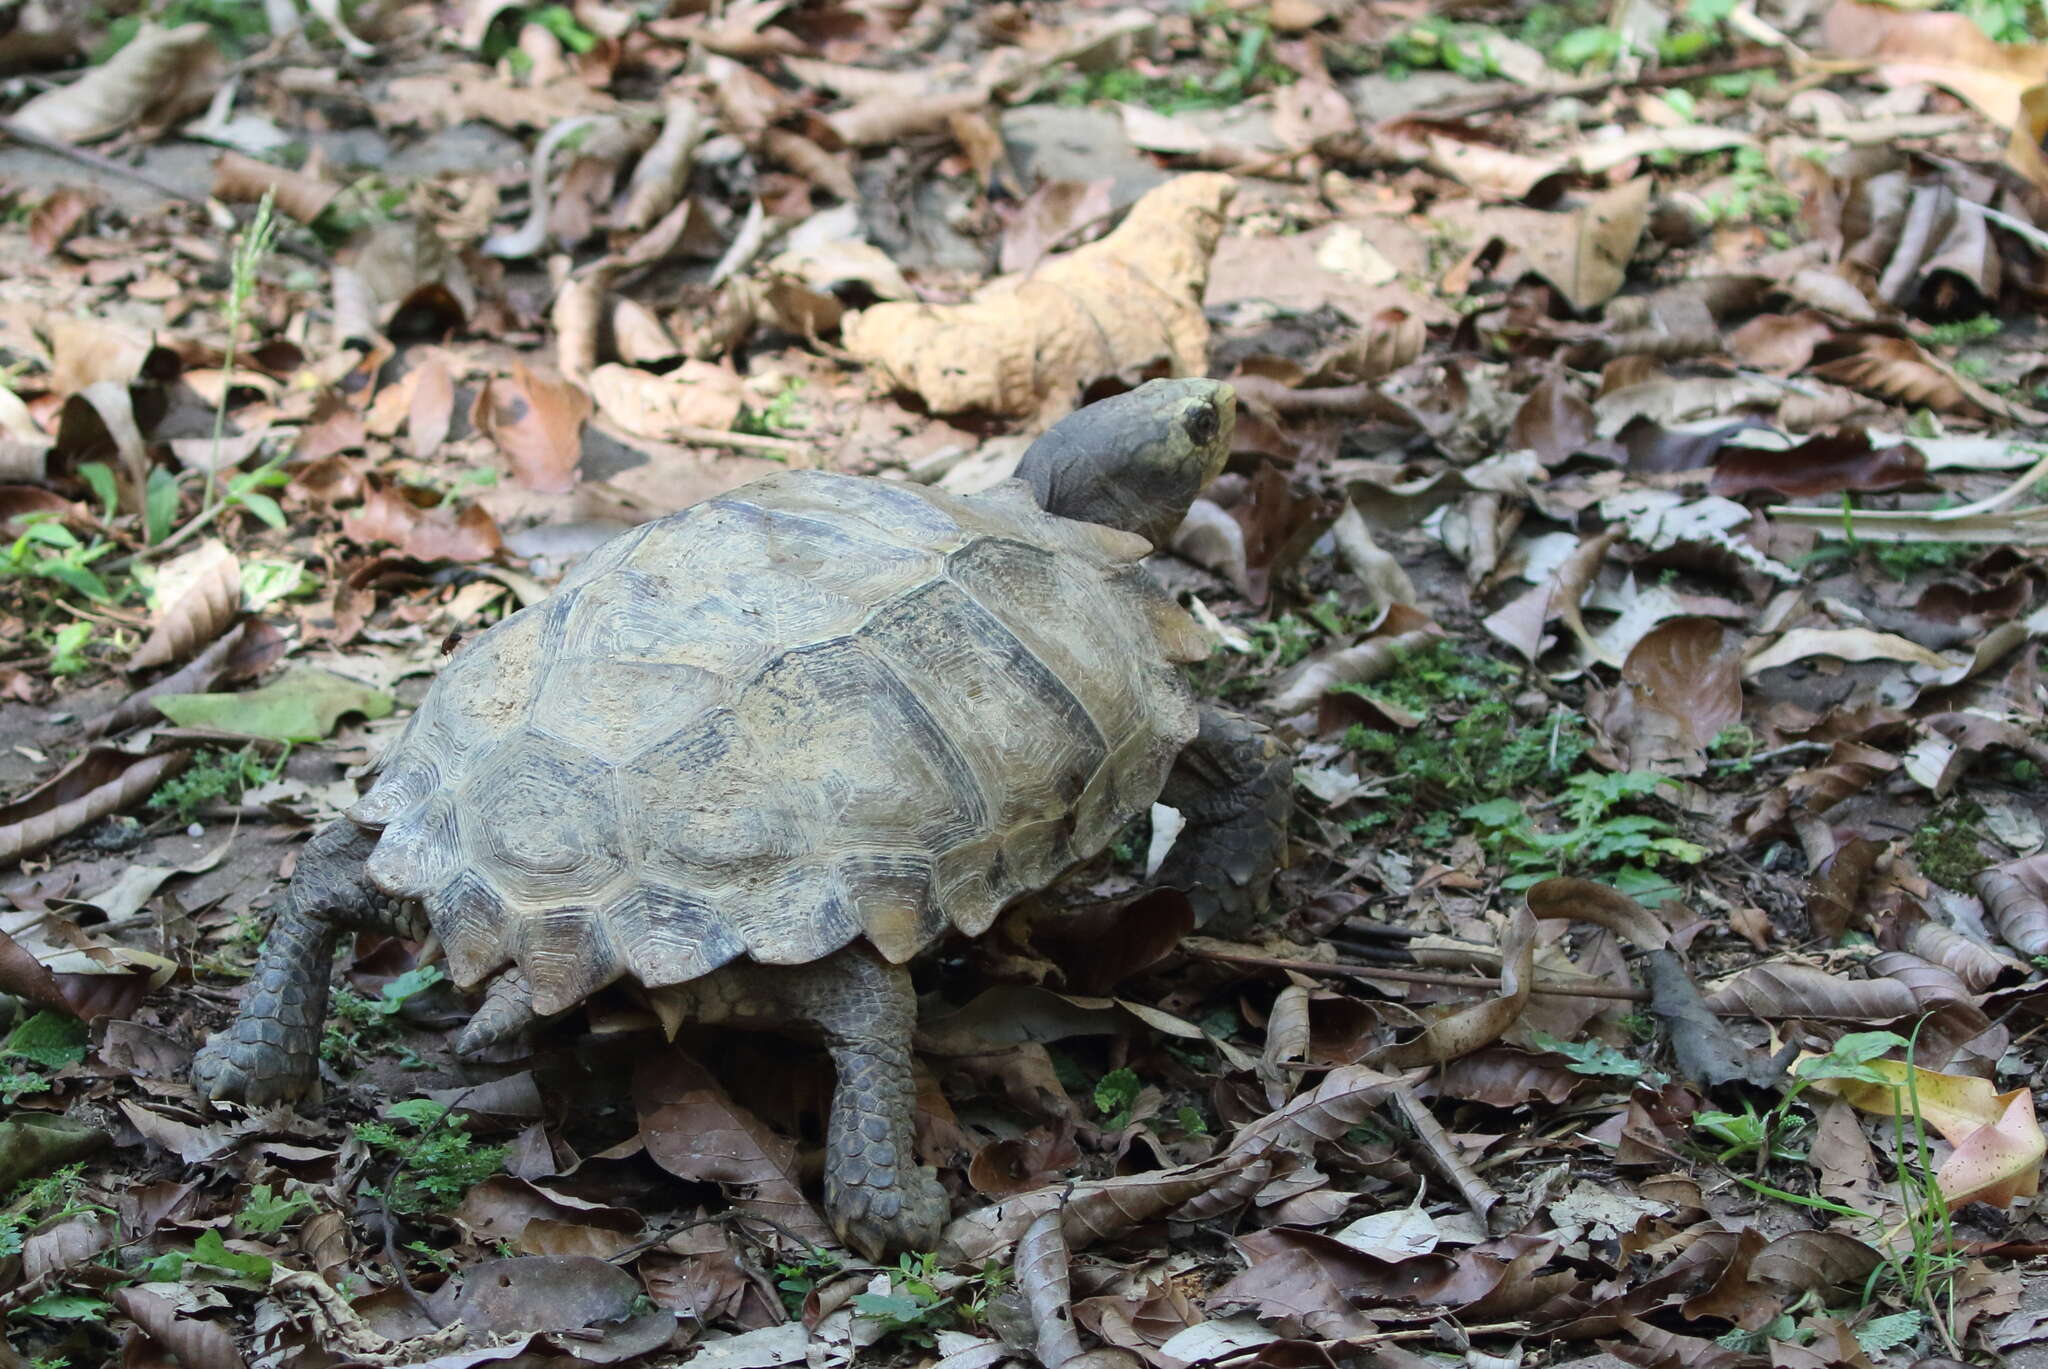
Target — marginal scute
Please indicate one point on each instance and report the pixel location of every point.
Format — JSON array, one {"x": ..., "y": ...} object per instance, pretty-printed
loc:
[{"x": 820, "y": 708}]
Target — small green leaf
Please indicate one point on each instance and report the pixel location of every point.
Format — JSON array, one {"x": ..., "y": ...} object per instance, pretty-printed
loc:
[
  {"x": 212, "y": 1251},
  {"x": 50, "y": 1039},
  {"x": 65, "y": 1307},
  {"x": 159, "y": 504},
  {"x": 263, "y": 506},
  {"x": 51, "y": 534},
  {"x": 101, "y": 477}
]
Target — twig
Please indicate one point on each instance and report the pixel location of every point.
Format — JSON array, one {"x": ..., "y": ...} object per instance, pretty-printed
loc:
[
  {"x": 104, "y": 165},
  {"x": 1649, "y": 80},
  {"x": 1431, "y": 978},
  {"x": 1774, "y": 753},
  {"x": 783, "y": 447}
]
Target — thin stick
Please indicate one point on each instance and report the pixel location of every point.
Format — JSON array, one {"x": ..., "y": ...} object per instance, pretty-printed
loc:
[
  {"x": 1648, "y": 80},
  {"x": 747, "y": 442},
  {"x": 105, "y": 165},
  {"x": 1426, "y": 977}
]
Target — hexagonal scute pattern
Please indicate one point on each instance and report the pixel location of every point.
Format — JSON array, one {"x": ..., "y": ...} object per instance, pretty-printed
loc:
[
  {"x": 816, "y": 708},
  {"x": 546, "y": 817}
]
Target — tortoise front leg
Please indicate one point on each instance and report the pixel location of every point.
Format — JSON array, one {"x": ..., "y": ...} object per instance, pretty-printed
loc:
[
  {"x": 877, "y": 1197},
  {"x": 1235, "y": 786},
  {"x": 271, "y": 1053}
]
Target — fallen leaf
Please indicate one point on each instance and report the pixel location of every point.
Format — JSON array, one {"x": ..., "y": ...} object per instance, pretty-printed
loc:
[
  {"x": 153, "y": 78},
  {"x": 536, "y": 419},
  {"x": 1027, "y": 344},
  {"x": 1585, "y": 251},
  {"x": 667, "y": 408},
  {"x": 302, "y": 705}
]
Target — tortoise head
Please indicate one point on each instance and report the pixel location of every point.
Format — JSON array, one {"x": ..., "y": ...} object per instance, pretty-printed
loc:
[{"x": 1135, "y": 461}]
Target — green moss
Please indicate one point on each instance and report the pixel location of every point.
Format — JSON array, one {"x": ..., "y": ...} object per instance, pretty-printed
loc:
[{"x": 1946, "y": 847}]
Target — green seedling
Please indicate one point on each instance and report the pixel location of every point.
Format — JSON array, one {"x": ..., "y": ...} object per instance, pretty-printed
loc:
[
  {"x": 1946, "y": 846},
  {"x": 1623, "y": 849},
  {"x": 266, "y": 1214},
  {"x": 215, "y": 775},
  {"x": 364, "y": 1022},
  {"x": 47, "y": 1041},
  {"x": 1116, "y": 1093},
  {"x": 795, "y": 1280},
  {"x": 46, "y": 549},
  {"x": 436, "y": 1161}
]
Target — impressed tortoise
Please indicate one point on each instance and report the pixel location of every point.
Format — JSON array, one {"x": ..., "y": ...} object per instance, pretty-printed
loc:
[{"x": 756, "y": 755}]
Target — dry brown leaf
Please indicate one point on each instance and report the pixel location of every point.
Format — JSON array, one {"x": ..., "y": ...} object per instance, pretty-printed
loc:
[
  {"x": 1681, "y": 685},
  {"x": 1585, "y": 251},
  {"x": 202, "y": 611},
  {"x": 1057, "y": 214},
  {"x": 196, "y": 677},
  {"x": 244, "y": 180},
  {"x": 1946, "y": 50},
  {"x": 665, "y": 408},
  {"x": 1793, "y": 990},
  {"x": 536, "y": 419},
  {"x": 420, "y": 525},
  {"x": 664, "y": 169},
  {"x": 1043, "y": 1278},
  {"x": 432, "y": 408},
  {"x": 1900, "y": 369},
  {"x": 51, "y": 221},
  {"x": 197, "y": 1343},
  {"x": 1780, "y": 343},
  {"x": 889, "y": 119},
  {"x": 826, "y": 170},
  {"x": 1027, "y": 344},
  {"x": 692, "y": 1130},
  {"x": 1823, "y": 465},
  {"x": 1460, "y": 153},
  {"x": 2015, "y": 894},
  {"x": 153, "y": 79},
  {"x": 100, "y": 782}
]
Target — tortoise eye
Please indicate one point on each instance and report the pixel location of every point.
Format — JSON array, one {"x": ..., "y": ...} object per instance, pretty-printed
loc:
[{"x": 1201, "y": 425}]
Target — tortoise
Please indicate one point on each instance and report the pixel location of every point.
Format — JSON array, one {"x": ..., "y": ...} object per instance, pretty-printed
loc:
[{"x": 754, "y": 756}]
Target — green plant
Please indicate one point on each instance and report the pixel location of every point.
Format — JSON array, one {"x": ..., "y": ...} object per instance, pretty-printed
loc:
[
  {"x": 362, "y": 1022},
  {"x": 1946, "y": 845},
  {"x": 1248, "y": 67},
  {"x": 1959, "y": 331},
  {"x": 502, "y": 41},
  {"x": 237, "y": 25},
  {"x": 777, "y": 415},
  {"x": 67, "y": 649},
  {"x": 796, "y": 1279},
  {"x": 1594, "y": 1058},
  {"x": 45, "y": 1041},
  {"x": 1115, "y": 1095},
  {"x": 1622, "y": 848},
  {"x": 52, "y": 1198},
  {"x": 435, "y": 1163},
  {"x": 1462, "y": 49},
  {"x": 45, "y": 548},
  {"x": 266, "y": 1214},
  {"x": 2007, "y": 21},
  {"x": 214, "y": 775},
  {"x": 1753, "y": 193},
  {"x": 913, "y": 1309}
]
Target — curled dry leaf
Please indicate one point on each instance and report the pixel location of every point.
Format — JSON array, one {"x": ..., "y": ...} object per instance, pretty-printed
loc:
[
  {"x": 1026, "y": 344},
  {"x": 1043, "y": 1279},
  {"x": 890, "y": 119},
  {"x": 1946, "y": 50},
  {"x": 1977, "y": 966},
  {"x": 663, "y": 171},
  {"x": 1900, "y": 369},
  {"x": 2016, "y": 896},
  {"x": 536, "y": 419},
  {"x": 1780, "y": 343},
  {"x": 1400, "y": 630},
  {"x": 1789, "y": 990},
  {"x": 202, "y": 611},
  {"x": 420, "y": 525},
  {"x": 152, "y": 79},
  {"x": 244, "y": 180},
  {"x": 197, "y": 1343},
  {"x": 1998, "y": 1144},
  {"x": 100, "y": 782},
  {"x": 432, "y": 409},
  {"x": 667, "y": 408},
  {"x": 1467, "y": 1027}
]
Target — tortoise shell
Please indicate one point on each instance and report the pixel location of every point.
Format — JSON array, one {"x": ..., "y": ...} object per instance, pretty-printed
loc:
[{"x": 816, "y": 708}]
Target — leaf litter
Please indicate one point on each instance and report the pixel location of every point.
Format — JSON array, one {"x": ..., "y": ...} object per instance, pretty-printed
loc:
[{"x": 1633, "y": 530}]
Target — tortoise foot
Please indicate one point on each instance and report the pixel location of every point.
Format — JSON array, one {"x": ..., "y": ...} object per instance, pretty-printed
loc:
[
  {"x": 882, "y": 1218},
  {"x": 251, "y": 1063}
]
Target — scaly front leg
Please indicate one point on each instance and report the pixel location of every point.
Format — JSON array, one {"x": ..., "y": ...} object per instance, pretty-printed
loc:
[{"x": 271, "y": 1054}]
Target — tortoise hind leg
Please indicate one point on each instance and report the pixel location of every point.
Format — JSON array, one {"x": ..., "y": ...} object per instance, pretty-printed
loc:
[
  {"x": 1235, "y": 786},
  {"x": 271, "y": 1053}
]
